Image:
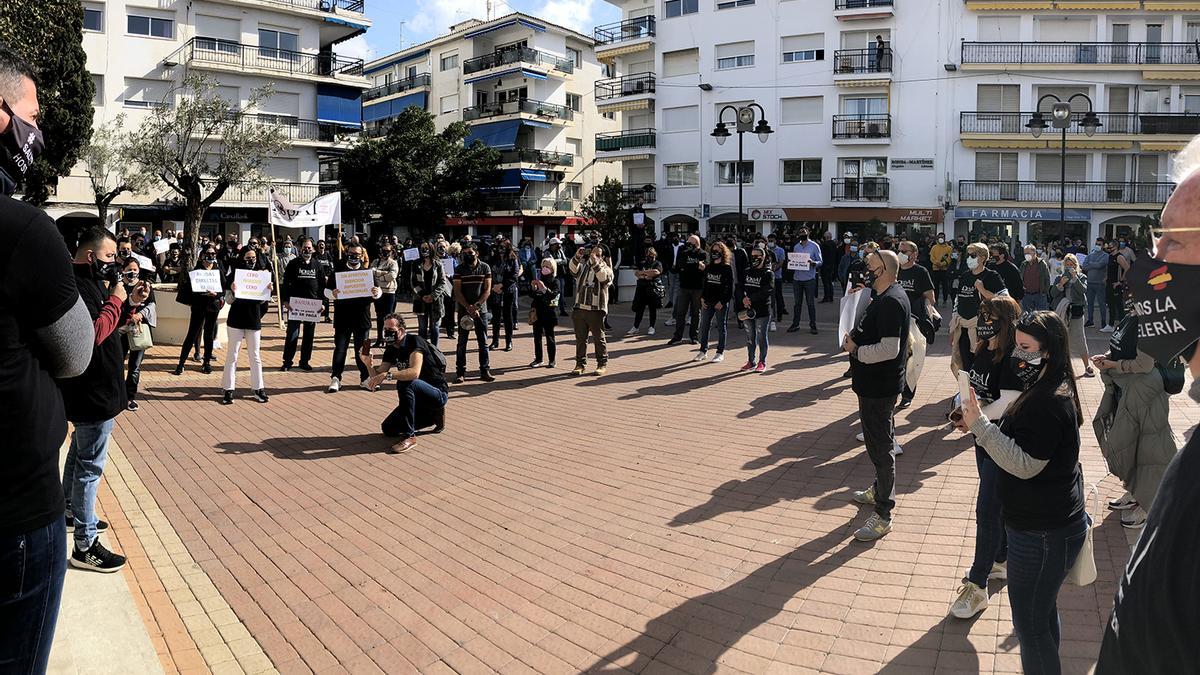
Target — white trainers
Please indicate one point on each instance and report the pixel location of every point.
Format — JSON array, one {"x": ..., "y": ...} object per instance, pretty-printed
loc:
[
  {"x": 365, "y": 384},
  {"x": 971, "y": 600},
  {"x": 866, "y": 497},
  {"x": 718, "y": 358},
  {"x": 650, "y": 330},
  {"x": 774, "y": 327},
  {"x": 700, "y": 356},
  {"x": 860, "y": 438},
  {"x": 896, "y": 449},
  {"x": 1125, "y": 503},
  {"x": 1133, "y": 519},
  {"x": 335, "y": 385},
  {"x": 1106, "y": 329},
  {"x": 669, "y": 322},
  {"x": 632, "y": 331},
  {"x": 999, "y": 571},
  {"x": 873, "y": 529}
]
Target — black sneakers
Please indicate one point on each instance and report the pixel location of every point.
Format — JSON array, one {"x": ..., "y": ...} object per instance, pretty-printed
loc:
[
  {"x": 260, "y": 395},
  {"x": 97, "y": 559},
  {"x": 101, "y": 526},
  {"x": 227, "y": 397}
]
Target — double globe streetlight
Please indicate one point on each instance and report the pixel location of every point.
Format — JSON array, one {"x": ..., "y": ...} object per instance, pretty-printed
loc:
[
  {"x": 745, "y": 120},
  {"x": 1060, "y": 118}
]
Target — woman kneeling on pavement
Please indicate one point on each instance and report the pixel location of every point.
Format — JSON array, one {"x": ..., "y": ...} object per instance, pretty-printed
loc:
[{"x": 1040, "y": 484}]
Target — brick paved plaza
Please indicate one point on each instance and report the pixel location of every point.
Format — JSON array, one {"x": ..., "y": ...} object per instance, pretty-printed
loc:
[{"x": 669, "y": 517}]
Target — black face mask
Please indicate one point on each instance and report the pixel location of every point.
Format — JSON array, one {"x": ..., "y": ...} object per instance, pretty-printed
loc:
[
  {"x": 22, "y": 144},
  {"x": 249, "y": 264},
  {"x": 424, "y": 254},
  {"x": 468, "y": 259},
  {"x": 759, "y": 261},
  {"x": 210, "y": 259},
  {"x": 1168, "y": 307},
  {"x": 105, "y": 271},
  {"x": 986, "y": 331},
  {"x": 869, "y": 277},
  {"x": 804, "y": 237},
  {"x": 390, "y": 336}
]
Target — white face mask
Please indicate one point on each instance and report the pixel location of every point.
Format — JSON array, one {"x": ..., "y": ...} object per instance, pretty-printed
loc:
[
  {"x": 972, "y": 263},
  {"x": 1028, "y": 257},
  {"x": 903, "y": 258}
]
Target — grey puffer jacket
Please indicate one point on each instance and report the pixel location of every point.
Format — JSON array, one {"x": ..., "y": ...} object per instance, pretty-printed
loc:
[{"x": 1133, "y": 430}]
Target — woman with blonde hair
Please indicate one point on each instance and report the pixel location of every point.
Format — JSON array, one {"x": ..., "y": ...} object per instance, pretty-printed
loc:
[
  {"x": 543, "y": 316},
  {"x": 978, "y": 284},
  {"x": 715, "y": 298},
  {"x": 1068, "y": 297}
]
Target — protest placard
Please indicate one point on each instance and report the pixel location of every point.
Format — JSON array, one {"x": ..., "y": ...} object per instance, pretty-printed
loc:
[
  {"x": 411, "y": 254},
  {"x": 448, "y": 267},
  {"x": 206, "y": 281},
  {"x": 252, "y": 284},
  {"x": 852, "y": 307},
  {"x": 304, "y": 309},
  {"x": 144, "y": 263},
  {"x": 163, "y": 245},
  {"x": 355, "y": 284},
  {"x": 798, "y": 261}
]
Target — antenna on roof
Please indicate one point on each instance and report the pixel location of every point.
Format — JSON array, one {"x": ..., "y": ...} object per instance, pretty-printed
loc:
[
  {"x": 402, "y": 34},
  {"x": 491, "y": 10}
]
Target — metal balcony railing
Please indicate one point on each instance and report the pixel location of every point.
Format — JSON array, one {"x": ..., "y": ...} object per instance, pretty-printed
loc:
[
  {"x": 862, "y": 126},
  {"x": 514, "y": 55},
  {"x": 224, "y": 53},
  {"x": 860, "y": 4},
  {"x": 873, "y": 189},
  {"x": 529, "y": 204},
  {"x": 856, "y": 61},
  {"x": 977, "y": 122},
  {"x": 530, "y": 156},
  {"x": 1113, "y": 53},
  {"x": 628, "y": 85},
  {"x": 624, "y": 140},
  {"x": 300, "y": 130},
  {"x": 644, "y": 193},
  {"x": 1076, "y": 192},
  {"x": 396, "y": 87},
  {"x": 333, "y": 6},
  {"x": 249, "y": 193},
  {"x": 623, "y": 31},
  {"x": 524, "y": 105}
]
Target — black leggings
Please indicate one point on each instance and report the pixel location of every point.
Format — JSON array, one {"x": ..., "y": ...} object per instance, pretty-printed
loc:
[
  {"x": 201, "y": 319},
  {"x": 547, "y": 330},
  {"x": 506, "y": 313},
  {"x": 965, "y": 349},
  {"x": 642, "y": 302}
]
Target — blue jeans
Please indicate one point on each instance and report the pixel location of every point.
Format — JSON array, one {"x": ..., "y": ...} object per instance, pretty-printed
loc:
[
  {"x": 991, "y": 543},
  {"x": 706, "y": 317},
  {"x": 805, "y": 290},
  {"x": 756, "y": 336},
  {"x": 1095, "y": 294},
  {"x": 464, "y": 336},
  {"x": 1038, "y": 562},
  {"x": 426, "y": 328},
  {"x": 419, "y": 401},
  {"x": 32, "y": 566},
  {"x": 1034, "y": 302},
  {"x": 81, "y": 477}
]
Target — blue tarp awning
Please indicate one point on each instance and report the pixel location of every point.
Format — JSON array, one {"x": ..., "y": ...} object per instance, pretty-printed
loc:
[
  {"x": 374, "y": 112},
  {"x": 339, "y": 105},
  {"x": 510, "y": 181},
  {"x": 522, "y": 72},
  {"x": 501, "y": 135},
  {"x": 534, "y": 174}
]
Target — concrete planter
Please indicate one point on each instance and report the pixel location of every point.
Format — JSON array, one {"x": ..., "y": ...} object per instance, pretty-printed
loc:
[{"x": 173, "y": 317}]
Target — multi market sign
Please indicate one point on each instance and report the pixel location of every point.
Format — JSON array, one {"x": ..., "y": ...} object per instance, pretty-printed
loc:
[{"x": 1019, "y": 213}]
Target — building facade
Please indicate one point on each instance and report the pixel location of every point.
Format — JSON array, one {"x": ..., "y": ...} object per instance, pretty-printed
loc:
[
  {"x": 137, "y": 55},
  {"x": 900, "y": 116},
  {"x": 525, "y": 88}
]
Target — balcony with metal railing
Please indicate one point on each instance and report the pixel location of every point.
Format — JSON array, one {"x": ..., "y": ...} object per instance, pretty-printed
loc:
[
  {"x": 531, "y": 156},
  {"x": 1076, "y": 192},
  {"x": 849, "y": 10},
  {"x": 1116, "y": 55},
  {"x": 645, "y": 194},
  {"x": 627, "y": 139},
  {"x": 857, "y": 127},
  {"x": 859, "y": 62},
  {"x": 871, "y": 189},
  {"x": 252, "y": 193},
  {"x": 1124, "y": 123},
  {"x": 237, "y": 57},
  {"x": 627, "y": 85},
  {"x": 520, "y": 204},
  {"x": 549, "y": 111},
  {"x": 396, "y": 87},
  {"x": 525, "y": 56},
  {"x": 624, "y": 31},
  {"x": 301, "y": 131}
]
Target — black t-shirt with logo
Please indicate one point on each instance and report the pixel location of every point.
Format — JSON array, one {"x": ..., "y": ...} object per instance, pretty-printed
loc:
[
  {"x": 472, "y": 280},
  {"x": 886, "y": 317},
  {"x": 989, "y": 378},
  {"x": 915, "y": 281},
  {"x": 400, "y": 354},
  {"x": 1122, "y": 342},
  {"x": 967, "y": 298}
]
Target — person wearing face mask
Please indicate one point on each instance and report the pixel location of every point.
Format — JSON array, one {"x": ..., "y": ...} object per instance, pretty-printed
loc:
[
  {"x": 205, "y": 307},
  {"x": 351, "y": 320},
  {"x": 305, "y": 278},
  {"x": 244, "y": 323},
  {"x": 804, "y": 283},
  {"x": 757, "y": 292},
  {"x": 289, "y": 254},
  {"x": 941, "y": 260},
  {"x": 387, "y": 272},
  {"x": 420, "y": 383},
  {"x": 978, "y": 284},
  {"x": 592, "y": 279},
  {"x": 543, "y": 315},
  {"x": 169, "y": 267},
  {"x": 997, "y": 379},
  {"x": 715, "y": 298},
  {"x": 849, "y": 255},
  {"x": 1000, "y": 262},
  {"x": 917, "y": 284},
  {"x": 142, "y": 318},
  {"x": 689, "y": 266},
  {"x": 1040, "y": 484},
  {"x": 325, "y": 257},
  {"x": 430, "y": 288},
  {"x": 1095, "y": 265},
  {"x": 444, "y": 251},
  {"x": 555, "y": 252},
  {"x": 472, "y": 288},
  {"x": 1068, "y": 295},
  {"x": 506, "y": 277},
  {"x": 829, "y": 258},
  {"x": 1035, "y": 281},
  {"x": 878, "y": 349},
  {"x": 94, "y": 399},
  {"x": 777, "y": 259},
  {"x": 649, "y": 292}
]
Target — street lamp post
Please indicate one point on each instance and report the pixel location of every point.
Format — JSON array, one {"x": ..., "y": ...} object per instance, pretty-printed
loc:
[
  {"x": 745, "y": 120},
  {"x": 1060, "y": 118}
]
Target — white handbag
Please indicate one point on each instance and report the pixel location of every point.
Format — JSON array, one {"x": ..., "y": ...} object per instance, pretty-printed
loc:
[{"x": 1083, "y": 571}]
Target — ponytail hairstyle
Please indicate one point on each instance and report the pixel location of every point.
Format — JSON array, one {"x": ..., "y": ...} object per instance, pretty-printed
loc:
[{"x": 1058, "y": 377}]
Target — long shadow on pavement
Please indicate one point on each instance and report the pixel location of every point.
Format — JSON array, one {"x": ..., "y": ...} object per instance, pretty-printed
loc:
[{"x": 311, "y": 447}]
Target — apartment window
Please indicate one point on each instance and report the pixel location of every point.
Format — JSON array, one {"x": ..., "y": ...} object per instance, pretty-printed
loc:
[
  {"x": 800, "y": 110},
  {"x": 512, "y": 95},
  {"x": 145, "y": 93},
  {"x": 686, "y": 118},
  {"x": 575, "y": 102},
  {"x": 727, "y": 173},
  {"x": 274, "y": 44},
  {"x": 802, "y": 170},
  {"x": 217, "y": 45},
  {"x": 996, "y": 166},
  {"x": 151, "y": 26},
  {"x": 683, "y": 175},
  {"x": 98, "y": 85},
  {"x": 572, "y": 191},
  {"x": 681, "y": 7},
  {"x": 862, "y": 106},
  {"x": 575, "y": 146},
  {"x": 609, "y": 115},
  {"x": 735, "y": 55},
  {"x": 1191, "y": 103},
  {"x": 449, "y": 62},
  {"x": 729, "y": 4},
  {"x": 802, "y": 48},
  {"x": 93, "y": 19},
  {"x": 681, "y": 62},
  {"x": 576, "y": 56},
  {"x": 449, "y": 104},
  {"x": 998, "y": 97}
]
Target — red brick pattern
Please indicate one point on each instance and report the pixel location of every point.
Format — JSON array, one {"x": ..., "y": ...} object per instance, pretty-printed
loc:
[{"x": 668, "y": 517}]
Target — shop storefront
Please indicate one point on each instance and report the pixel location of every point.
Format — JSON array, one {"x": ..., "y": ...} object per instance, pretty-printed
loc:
[
  {"x": 1022, "y": 224},
  {"x": 869, "y": 224}
]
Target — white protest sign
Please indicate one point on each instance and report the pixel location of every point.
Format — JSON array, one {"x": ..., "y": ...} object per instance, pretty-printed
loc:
[
  {"x": 411, "y": 254},
  {"x": 324, "y": 210},
  {"x": 304, "y": 309},
  {"x": 252, "y": 285},
  {"x": 639, "y": 218},
  {"x": 852, "y": 307},
  {"x": 163, "y": 245},
  {"x": 798, "y": 261},
  {"x": 206, "y": 281},
  {"x": 355, "y": 284},
  {"x": 448, "y": 267},
  {"x": 144, "y": 263}
]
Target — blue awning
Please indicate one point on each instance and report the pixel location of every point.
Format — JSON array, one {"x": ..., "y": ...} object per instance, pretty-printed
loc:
[
  {"x": 520, "y": 72},
  {"x": 534, "y": 174},
  {"x": 339, "y": 105},
  {"x": 373, "y": 112},
  {"x": 510, "y": 181},
  {"x": 344, "y": 22},
  {"x": 536, "y": 123},
  {"x": 501, "y": 135},
  {"x": 484, "y": 31}
]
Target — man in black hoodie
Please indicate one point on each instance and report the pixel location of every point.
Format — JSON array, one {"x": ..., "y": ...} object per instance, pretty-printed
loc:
[
  {"x": 689, "y": 265},
  {"x": 303, "y": 277}
]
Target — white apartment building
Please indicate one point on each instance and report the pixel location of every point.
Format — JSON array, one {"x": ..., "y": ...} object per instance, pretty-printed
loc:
[
  {"x": 906, "y": 114},
  {"x": 138, "y": 51},
  {"x": 525, "y": 87}
]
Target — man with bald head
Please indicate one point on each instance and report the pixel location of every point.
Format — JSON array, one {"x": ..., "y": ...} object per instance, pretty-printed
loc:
[
  {"x": 878, "y": 348},
  {"x": 1154, "y": 626},
  {"x": 689, "y": 265}
]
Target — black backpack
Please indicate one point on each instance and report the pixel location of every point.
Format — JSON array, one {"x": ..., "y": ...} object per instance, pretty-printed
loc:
[
  {"x": 431, "y": 352},
  {"x": 1172, "y": 374}
]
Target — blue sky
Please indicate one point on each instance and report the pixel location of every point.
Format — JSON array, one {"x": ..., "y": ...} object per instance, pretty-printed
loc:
[{"x": 420, "y": 20}]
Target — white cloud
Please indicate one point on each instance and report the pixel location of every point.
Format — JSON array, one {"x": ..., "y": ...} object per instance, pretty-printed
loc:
[
  {"x": 355, "y": 48},
  {"x": 576, "y": 14},
  {"x": 434, "y": 17}
]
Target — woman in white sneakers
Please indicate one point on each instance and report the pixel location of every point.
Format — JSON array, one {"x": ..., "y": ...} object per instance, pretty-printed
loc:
[{"x": 244, "y": 323}]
